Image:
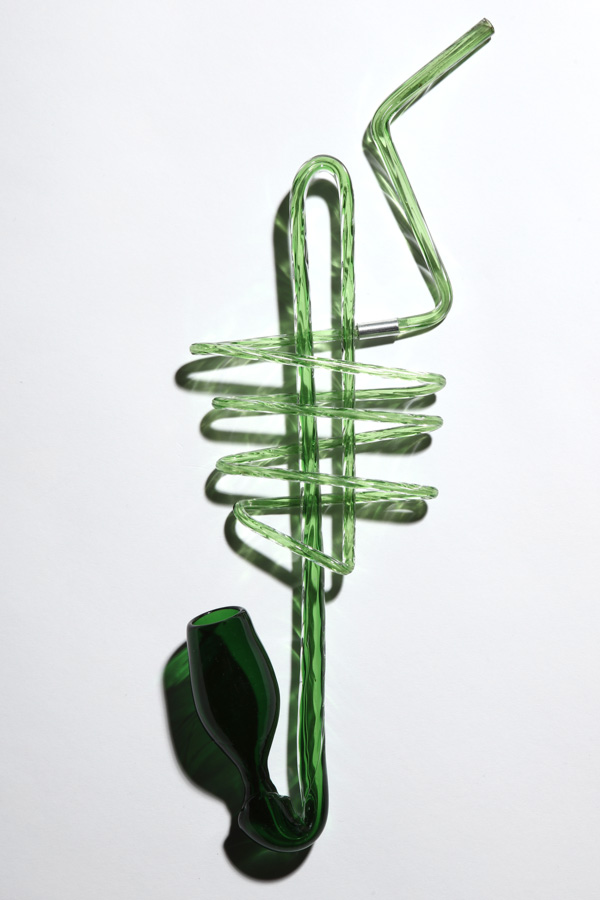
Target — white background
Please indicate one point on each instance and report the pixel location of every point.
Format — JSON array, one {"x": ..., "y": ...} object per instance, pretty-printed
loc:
[{"x": 145, "y": 150}]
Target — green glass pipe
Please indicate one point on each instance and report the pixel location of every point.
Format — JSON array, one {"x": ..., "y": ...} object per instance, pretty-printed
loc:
[{"x": 233, "y": 683}]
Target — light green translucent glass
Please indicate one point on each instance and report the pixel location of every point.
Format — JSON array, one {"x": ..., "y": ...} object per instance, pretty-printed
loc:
[{"x": 232, "y": 679}]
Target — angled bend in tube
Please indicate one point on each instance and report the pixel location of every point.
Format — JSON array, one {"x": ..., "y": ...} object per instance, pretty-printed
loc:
[{"x": 389, "y": 171}]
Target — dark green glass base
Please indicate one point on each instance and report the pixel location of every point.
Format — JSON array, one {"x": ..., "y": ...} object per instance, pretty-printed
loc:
[{"x": 237, "y": 699}]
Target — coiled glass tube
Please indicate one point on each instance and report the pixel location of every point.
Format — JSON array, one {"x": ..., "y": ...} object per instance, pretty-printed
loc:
[{"x": 229, "y": 668}]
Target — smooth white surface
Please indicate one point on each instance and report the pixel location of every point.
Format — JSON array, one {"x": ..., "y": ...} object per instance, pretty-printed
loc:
[{"x": 145, "y": 150}]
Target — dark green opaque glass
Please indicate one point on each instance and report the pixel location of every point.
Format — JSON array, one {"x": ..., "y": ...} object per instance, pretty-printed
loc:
[
  {"x": 234, "y": 686},
  {"x": 237, "y": 700}
]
